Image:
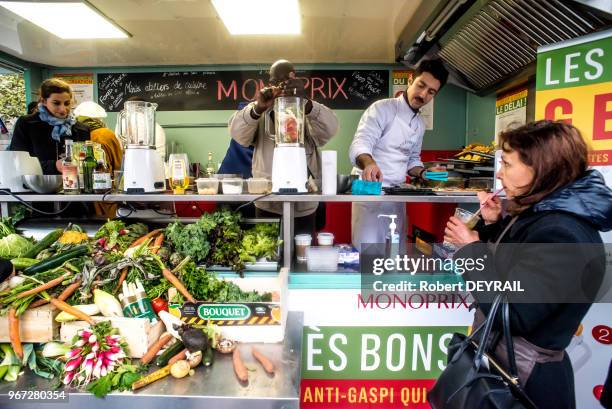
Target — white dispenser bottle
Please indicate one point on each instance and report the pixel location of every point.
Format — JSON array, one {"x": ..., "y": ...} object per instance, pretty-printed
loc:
[{"x": 392, "y": 239}]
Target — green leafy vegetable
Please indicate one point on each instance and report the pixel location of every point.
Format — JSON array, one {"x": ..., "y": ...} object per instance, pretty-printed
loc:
[
  {"x": 7, "y": 224},
  {"x": 14, "y": 245},
  {"x": 119, "y": 380},
  {"x": 116, "y": 235},
  {"x": 191, "y": 239},
  {"x": 205, "y": 286},
  {"x": 225, "y": 240},
  {"x": 260, "y": 242},
  {"x": 6, "y": 227}
]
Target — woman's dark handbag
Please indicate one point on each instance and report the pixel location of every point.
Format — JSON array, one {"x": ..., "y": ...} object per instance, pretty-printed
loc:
[{"x": 472, "y": 379}]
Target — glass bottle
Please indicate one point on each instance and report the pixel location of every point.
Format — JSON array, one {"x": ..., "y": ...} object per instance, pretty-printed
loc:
[
  {"x": 70, "y": 172},
  {"x": 101, "y": 177},
  {"x": 210, "y": 166},
  {"x": 179, "y": 179},
  {"x": 81, "y": 168},
  {"x": 89, "y": 164}
]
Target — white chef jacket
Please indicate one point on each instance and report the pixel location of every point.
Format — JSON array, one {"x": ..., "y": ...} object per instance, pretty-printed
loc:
[{"x": 392, "y": 133}]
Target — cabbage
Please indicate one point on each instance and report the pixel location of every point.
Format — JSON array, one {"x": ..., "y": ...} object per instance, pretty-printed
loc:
[{"x": 13, "y": 246}]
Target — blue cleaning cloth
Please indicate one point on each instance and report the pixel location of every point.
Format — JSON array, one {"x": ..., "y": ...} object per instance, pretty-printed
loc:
[
  {"x": 363, "y": 187},
  {"x": 442, "y": 176}
]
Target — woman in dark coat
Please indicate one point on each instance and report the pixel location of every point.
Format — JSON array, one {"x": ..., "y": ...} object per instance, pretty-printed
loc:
[
  {"x": 550, "y": 243},
  {"x": 43, "y": 133}
]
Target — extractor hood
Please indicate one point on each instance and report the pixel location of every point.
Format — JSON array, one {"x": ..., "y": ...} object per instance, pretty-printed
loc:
[{"x": 494, "y": 41}]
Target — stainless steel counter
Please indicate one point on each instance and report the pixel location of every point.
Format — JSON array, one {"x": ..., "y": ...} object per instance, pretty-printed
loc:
[
  {"x": 288, "y": 203},
  {"x": 214, "y": 387}
]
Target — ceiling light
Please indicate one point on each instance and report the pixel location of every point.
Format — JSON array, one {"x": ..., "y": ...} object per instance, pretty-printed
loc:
[
  {"x": 67, "y": 19},
  {"x": 267, "y": 17}
]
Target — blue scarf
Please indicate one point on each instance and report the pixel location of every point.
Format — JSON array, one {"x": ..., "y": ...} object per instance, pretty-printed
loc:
[{"x": 60, "y": 126}]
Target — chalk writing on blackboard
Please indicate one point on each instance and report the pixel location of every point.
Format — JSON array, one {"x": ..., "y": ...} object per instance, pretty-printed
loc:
[{"x": 226, "y": 90}]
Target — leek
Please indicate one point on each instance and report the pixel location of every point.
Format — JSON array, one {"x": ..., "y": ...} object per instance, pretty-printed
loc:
[{"x": 10, "y": 365}]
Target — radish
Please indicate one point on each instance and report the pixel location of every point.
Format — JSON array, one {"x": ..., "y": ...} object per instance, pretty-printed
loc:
[{"x": 68, "y": 378}]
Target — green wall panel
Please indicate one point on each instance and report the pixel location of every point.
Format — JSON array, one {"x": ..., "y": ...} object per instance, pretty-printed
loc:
[
  {"x": 449, "y": 120},
  {"x": 480, "y": 113}
]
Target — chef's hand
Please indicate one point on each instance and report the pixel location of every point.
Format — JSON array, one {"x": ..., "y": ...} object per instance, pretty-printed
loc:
[
  {"x": 372, "y": 173},
  {"x": 293, "y": 87},
  {"x": 458, "y": 233},
  {"x": 265, "y": 99},
  {"x": 492, "y": 208},
  {"x": 58, "y": 165},
  {"x": 437, "y": 168}
]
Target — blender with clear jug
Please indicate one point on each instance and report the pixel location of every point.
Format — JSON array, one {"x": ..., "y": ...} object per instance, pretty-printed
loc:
[
  {"x": 143, "y": 167},
  {"x": 289, "y": 169}
]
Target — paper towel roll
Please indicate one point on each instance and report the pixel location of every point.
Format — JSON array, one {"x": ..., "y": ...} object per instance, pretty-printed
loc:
[{"x": 329, "y": 166}]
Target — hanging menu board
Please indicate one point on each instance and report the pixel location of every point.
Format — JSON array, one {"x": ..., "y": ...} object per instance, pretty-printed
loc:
[{"x": 227, "y": 90}]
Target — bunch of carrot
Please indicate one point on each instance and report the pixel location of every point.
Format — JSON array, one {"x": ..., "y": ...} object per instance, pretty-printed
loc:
[{"x": 22, "y": 297}]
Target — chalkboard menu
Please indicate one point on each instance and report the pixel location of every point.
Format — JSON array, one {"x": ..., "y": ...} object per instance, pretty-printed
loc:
[{"x": 227, "y": 90}]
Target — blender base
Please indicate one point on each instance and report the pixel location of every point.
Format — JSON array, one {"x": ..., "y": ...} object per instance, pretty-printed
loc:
[
  {"x": 143, "y": 171},
  {"x": 289, "y": 170}
]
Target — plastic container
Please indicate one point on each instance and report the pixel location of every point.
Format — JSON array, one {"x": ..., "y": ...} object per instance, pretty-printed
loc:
[
  {"x": 322, "y": 258},
  {"x": 208, "y": 186},
  {"x": 302, "y": 242},
  {"x": 259, "y": 186},
  {"x": 325, "y": 239},
  {"x": 232, "y": 186},
  {"x": 453, "y": 182},
  {"x": 481, "y": 183}
]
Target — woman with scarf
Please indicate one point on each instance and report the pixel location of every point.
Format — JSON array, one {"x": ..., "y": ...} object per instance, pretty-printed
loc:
[{"x": 43, "y": 133}]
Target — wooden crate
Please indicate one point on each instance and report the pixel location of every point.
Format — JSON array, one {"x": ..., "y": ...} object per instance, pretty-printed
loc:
[
  {"x": 265, "y": 322},
  {"x": 35, "y": 325},
  {"x": 138, "y": 333}
]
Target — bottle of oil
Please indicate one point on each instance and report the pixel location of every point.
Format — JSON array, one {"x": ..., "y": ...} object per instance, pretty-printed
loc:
[
  {"x": 101, "y": 177},
  {"x": 210, "y": 166},
  {"x": 179, "y": 179},
  {"x": 70, "y": 172}
]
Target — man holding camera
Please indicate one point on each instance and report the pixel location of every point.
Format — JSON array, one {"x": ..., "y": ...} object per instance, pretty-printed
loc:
[{"x": 247, "y": 127}]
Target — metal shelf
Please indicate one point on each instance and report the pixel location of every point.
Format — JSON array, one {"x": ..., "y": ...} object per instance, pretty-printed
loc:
[{"x": 287, "y": 200}]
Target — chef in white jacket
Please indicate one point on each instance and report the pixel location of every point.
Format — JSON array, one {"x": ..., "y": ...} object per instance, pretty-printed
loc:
[{"x": 387, "y": 146}]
